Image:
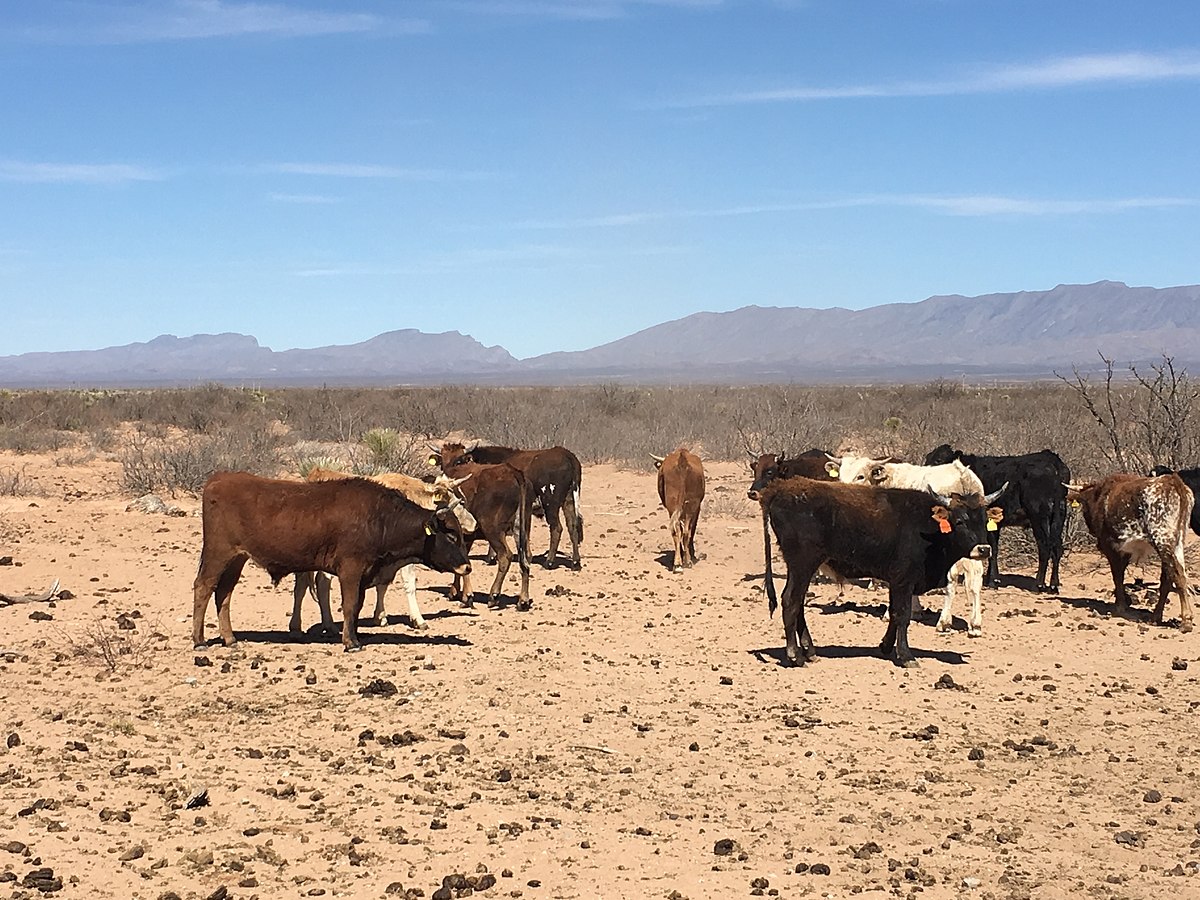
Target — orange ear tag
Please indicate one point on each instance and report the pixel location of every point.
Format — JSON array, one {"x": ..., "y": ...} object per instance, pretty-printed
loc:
[
  {"x": 992, "y": 526},
  {"x": 944, "y": 526}
]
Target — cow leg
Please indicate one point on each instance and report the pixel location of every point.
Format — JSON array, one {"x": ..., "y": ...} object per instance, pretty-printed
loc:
[
  {"x": 895, "y": 639},
  {"x": 380, "y": 616},
  {"x": 1174, "y": 574},
  {"x": 973, "y": 582},
  {"x": 1118, "y": 563},
  {"x": 550, "y": 506},
  {"x": 993, "y": 566},
  {"x": 677, "y": 539},
  {"x": 208, "y": 578},
  {"x": 503, "y": 560},
  {"x": 408, "y": 574},
  {"x": 574, "y": 519},
  {"x": 1058, "y": 521},
  {"x": 462, "y": 588},
  {"x": 945, "y": 622},
  {"x": 322, "y": 588},
  {"x": 799, "y": 644},
  {"x": 304, "y": 583},
  {"x": 1039, "y": 525},
  {"x": 693, "y": 520},
  {"x": 225, "y": 586},
  {"x": 351, "y": 582}
]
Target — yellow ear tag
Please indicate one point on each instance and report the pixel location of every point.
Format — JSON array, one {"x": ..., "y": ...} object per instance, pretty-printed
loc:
[
  {"x": 944, "y": 526},
  {"x": 992, "y": 526},
  {"x": 428, "y": 530},
  {"x": 433, "y": 460},
  {"x": 833, "y": 471},
  {"x": 1074, "y": 504}
]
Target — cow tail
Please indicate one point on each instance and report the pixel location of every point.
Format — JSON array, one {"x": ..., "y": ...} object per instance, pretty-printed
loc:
[
  {"x": 523, "y": 520},
  {"x": 768, "y": 578},
  {"x": 578, "y": 513}
]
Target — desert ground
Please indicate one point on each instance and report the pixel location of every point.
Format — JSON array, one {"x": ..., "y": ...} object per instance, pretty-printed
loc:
[{"x": 634, "y": 735}]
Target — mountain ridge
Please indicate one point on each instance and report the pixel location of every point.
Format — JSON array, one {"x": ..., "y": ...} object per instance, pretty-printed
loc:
[{"x": 1019, "y": 335}]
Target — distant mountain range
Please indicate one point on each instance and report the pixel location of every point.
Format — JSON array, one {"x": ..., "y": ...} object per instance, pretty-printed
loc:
[{"x": 1024, "y": 335}]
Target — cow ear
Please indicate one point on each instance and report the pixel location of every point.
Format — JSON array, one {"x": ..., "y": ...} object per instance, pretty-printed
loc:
[
  {"x": 995, "y": 516},
  {"x": 941, "y": 515},
  {"x": 877, "y": 475},
  {"x": 428, "y": 529},
  {"x": 832, "y": 469},
  {"x": 433, "y": 459}
]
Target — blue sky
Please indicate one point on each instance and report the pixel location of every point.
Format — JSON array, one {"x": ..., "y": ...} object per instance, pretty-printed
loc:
[{"x": 554, "y": 174}]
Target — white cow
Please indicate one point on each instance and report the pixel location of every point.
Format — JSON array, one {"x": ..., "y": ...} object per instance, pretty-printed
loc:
[
  {"x": 442, "y": 492},
  {"x": 950, "y": 478}
]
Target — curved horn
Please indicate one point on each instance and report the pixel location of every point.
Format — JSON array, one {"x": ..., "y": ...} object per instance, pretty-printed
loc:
[
  {"x": 1073, "y": 487},
  {"x": 436, "y": 448},
  {"x": 471, "y": 447},
  {"x": 942, "y": 499},
  {"x": 991, "y": 498},
  {"x": 658, "y": 459}
]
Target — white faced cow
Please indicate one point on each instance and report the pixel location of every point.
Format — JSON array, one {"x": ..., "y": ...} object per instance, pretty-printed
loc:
[{"x": 948, "y": 479}]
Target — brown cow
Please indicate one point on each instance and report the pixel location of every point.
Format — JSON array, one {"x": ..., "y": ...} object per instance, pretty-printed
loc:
[
  {"x": 498, "y": 496},
  {"x": 352, "y": 528},
  {"x": 554, "y": 474},
  {"x": 441, "y": 493},
  {"x": 1132, "y": 516},
  {"x": 681, "y": 490}
]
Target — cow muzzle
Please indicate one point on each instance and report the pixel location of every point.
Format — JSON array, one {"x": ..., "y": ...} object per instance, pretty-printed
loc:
[
  {"x": 981, "y": 551},
  {"x": 752, "y": 494},
  {"x": 464, "y": 569}
]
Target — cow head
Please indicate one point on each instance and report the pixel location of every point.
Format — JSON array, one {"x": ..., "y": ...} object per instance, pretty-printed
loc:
[
  {"x": 442, "y": 550},
  {"x": 962, "y": 521},
  {"x": 941, "y": 455},
  {"x": 450, "y": 454},
  {"x": 856, "y": 470},
  {"x": 764, "y": 469},
  {"x": 446, "y": 494},
  {"x": 658, "y": 460}
]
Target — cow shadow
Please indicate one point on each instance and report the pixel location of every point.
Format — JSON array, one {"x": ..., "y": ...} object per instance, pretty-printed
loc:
[
  {"x": 666, "y": 559},
  {"x": 778, "y": 655},
  {"x": 372, "y": 636},
  {"x": 1107, "y": 607}
]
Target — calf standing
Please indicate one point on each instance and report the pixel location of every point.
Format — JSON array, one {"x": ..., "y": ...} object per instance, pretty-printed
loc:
[
  {"x": 681, "y": 490},
  {"x": 1132, "y": 516}
]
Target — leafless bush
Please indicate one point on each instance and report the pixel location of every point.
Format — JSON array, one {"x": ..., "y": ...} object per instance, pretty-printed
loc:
[
  {"x": 150, "y": 465},
  {"x": 1143, "y": 421},
  {"x": 113, "y": 644},
  {"x": 13, "y": 482}
]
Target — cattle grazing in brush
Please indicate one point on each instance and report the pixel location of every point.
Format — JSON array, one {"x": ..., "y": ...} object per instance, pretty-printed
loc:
[
  {"x": 441, "y": 493},
  {"x": 1133, "y": 517},
  {"x": 949, "y": 478},
  {"x": 766, "y": 468},
  {"x": 1191, "y": 477},
  {"x": 554, "y": 473},
  {"x": 1036, "y": 500},
  {"x": 500, "y": 498},
  {"x": 352, "y": 528},
  {"x": 908, "y": 538},
  {"x": 681, "y": 490}
]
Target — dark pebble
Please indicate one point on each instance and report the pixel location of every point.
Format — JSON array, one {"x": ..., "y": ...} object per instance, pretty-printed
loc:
[
  {"x": 820, "y": 869},
  {"x": 976, "y": 753},
  {"x": 504, "y": 775}
]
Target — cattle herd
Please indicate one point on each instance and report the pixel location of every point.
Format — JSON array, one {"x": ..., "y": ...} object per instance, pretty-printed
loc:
[{"x": 915, "y": 527}]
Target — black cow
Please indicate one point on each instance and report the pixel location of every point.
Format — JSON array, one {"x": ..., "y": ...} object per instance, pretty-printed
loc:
[
  {"x": 1037, "y": 500},
  {"x": 765, "y": 469},
  {"x": 1191, "y": 477},
  {"x": 908, "y": 538}
]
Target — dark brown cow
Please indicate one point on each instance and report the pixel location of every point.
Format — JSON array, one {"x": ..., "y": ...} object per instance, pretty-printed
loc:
[
  {"x": 765, "y": 469},
  {"x": 908, "y": 538},
  {"x": 1131, "y": 517},
  {"x": 497, "y": 496},
  {"x": 352, "y": 528},
  {"x": 681, "y": 490},
  {"x": 554, "y": 473}
]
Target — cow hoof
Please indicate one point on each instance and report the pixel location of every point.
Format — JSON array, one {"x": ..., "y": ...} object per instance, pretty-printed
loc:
[
  {"x": 975, "y": 632},
  {"x": 908, "y": 664},
  {"x": 524, "y": 605},
  {"x": 421, "y": 626},
  {"x": 202, "y": 645},
  {"x": 1185, "y": 627},
  {"x": 945, "y": 628},
  {"x": 796, "y": 661},
  {"x": 356, "y": 648}
]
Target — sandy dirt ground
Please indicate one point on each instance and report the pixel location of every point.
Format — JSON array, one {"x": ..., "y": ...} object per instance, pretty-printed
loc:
[{"x": 634, "y": 735}]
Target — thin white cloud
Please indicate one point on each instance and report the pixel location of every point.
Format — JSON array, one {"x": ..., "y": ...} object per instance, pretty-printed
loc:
[
  {"x": 955, "y": 205},
  {"x": 314, "y": 199},
  {"x": 484, "y": 257},
  {"x": 75, "y": 173},
  {"x": 581, "y": 10},
  {"x": 183, "y": 20},
  {"x": 367, "y": 170},
  {"x": 1063, "y": 72}
]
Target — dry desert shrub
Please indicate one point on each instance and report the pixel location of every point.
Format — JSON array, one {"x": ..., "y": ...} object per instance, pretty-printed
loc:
[
  {"x": 125, "y": 641},
  {"x": 172, "y": 464}
]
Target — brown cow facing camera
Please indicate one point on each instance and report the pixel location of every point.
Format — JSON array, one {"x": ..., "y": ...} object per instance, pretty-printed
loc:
[{"x": 681, "y": 490}]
